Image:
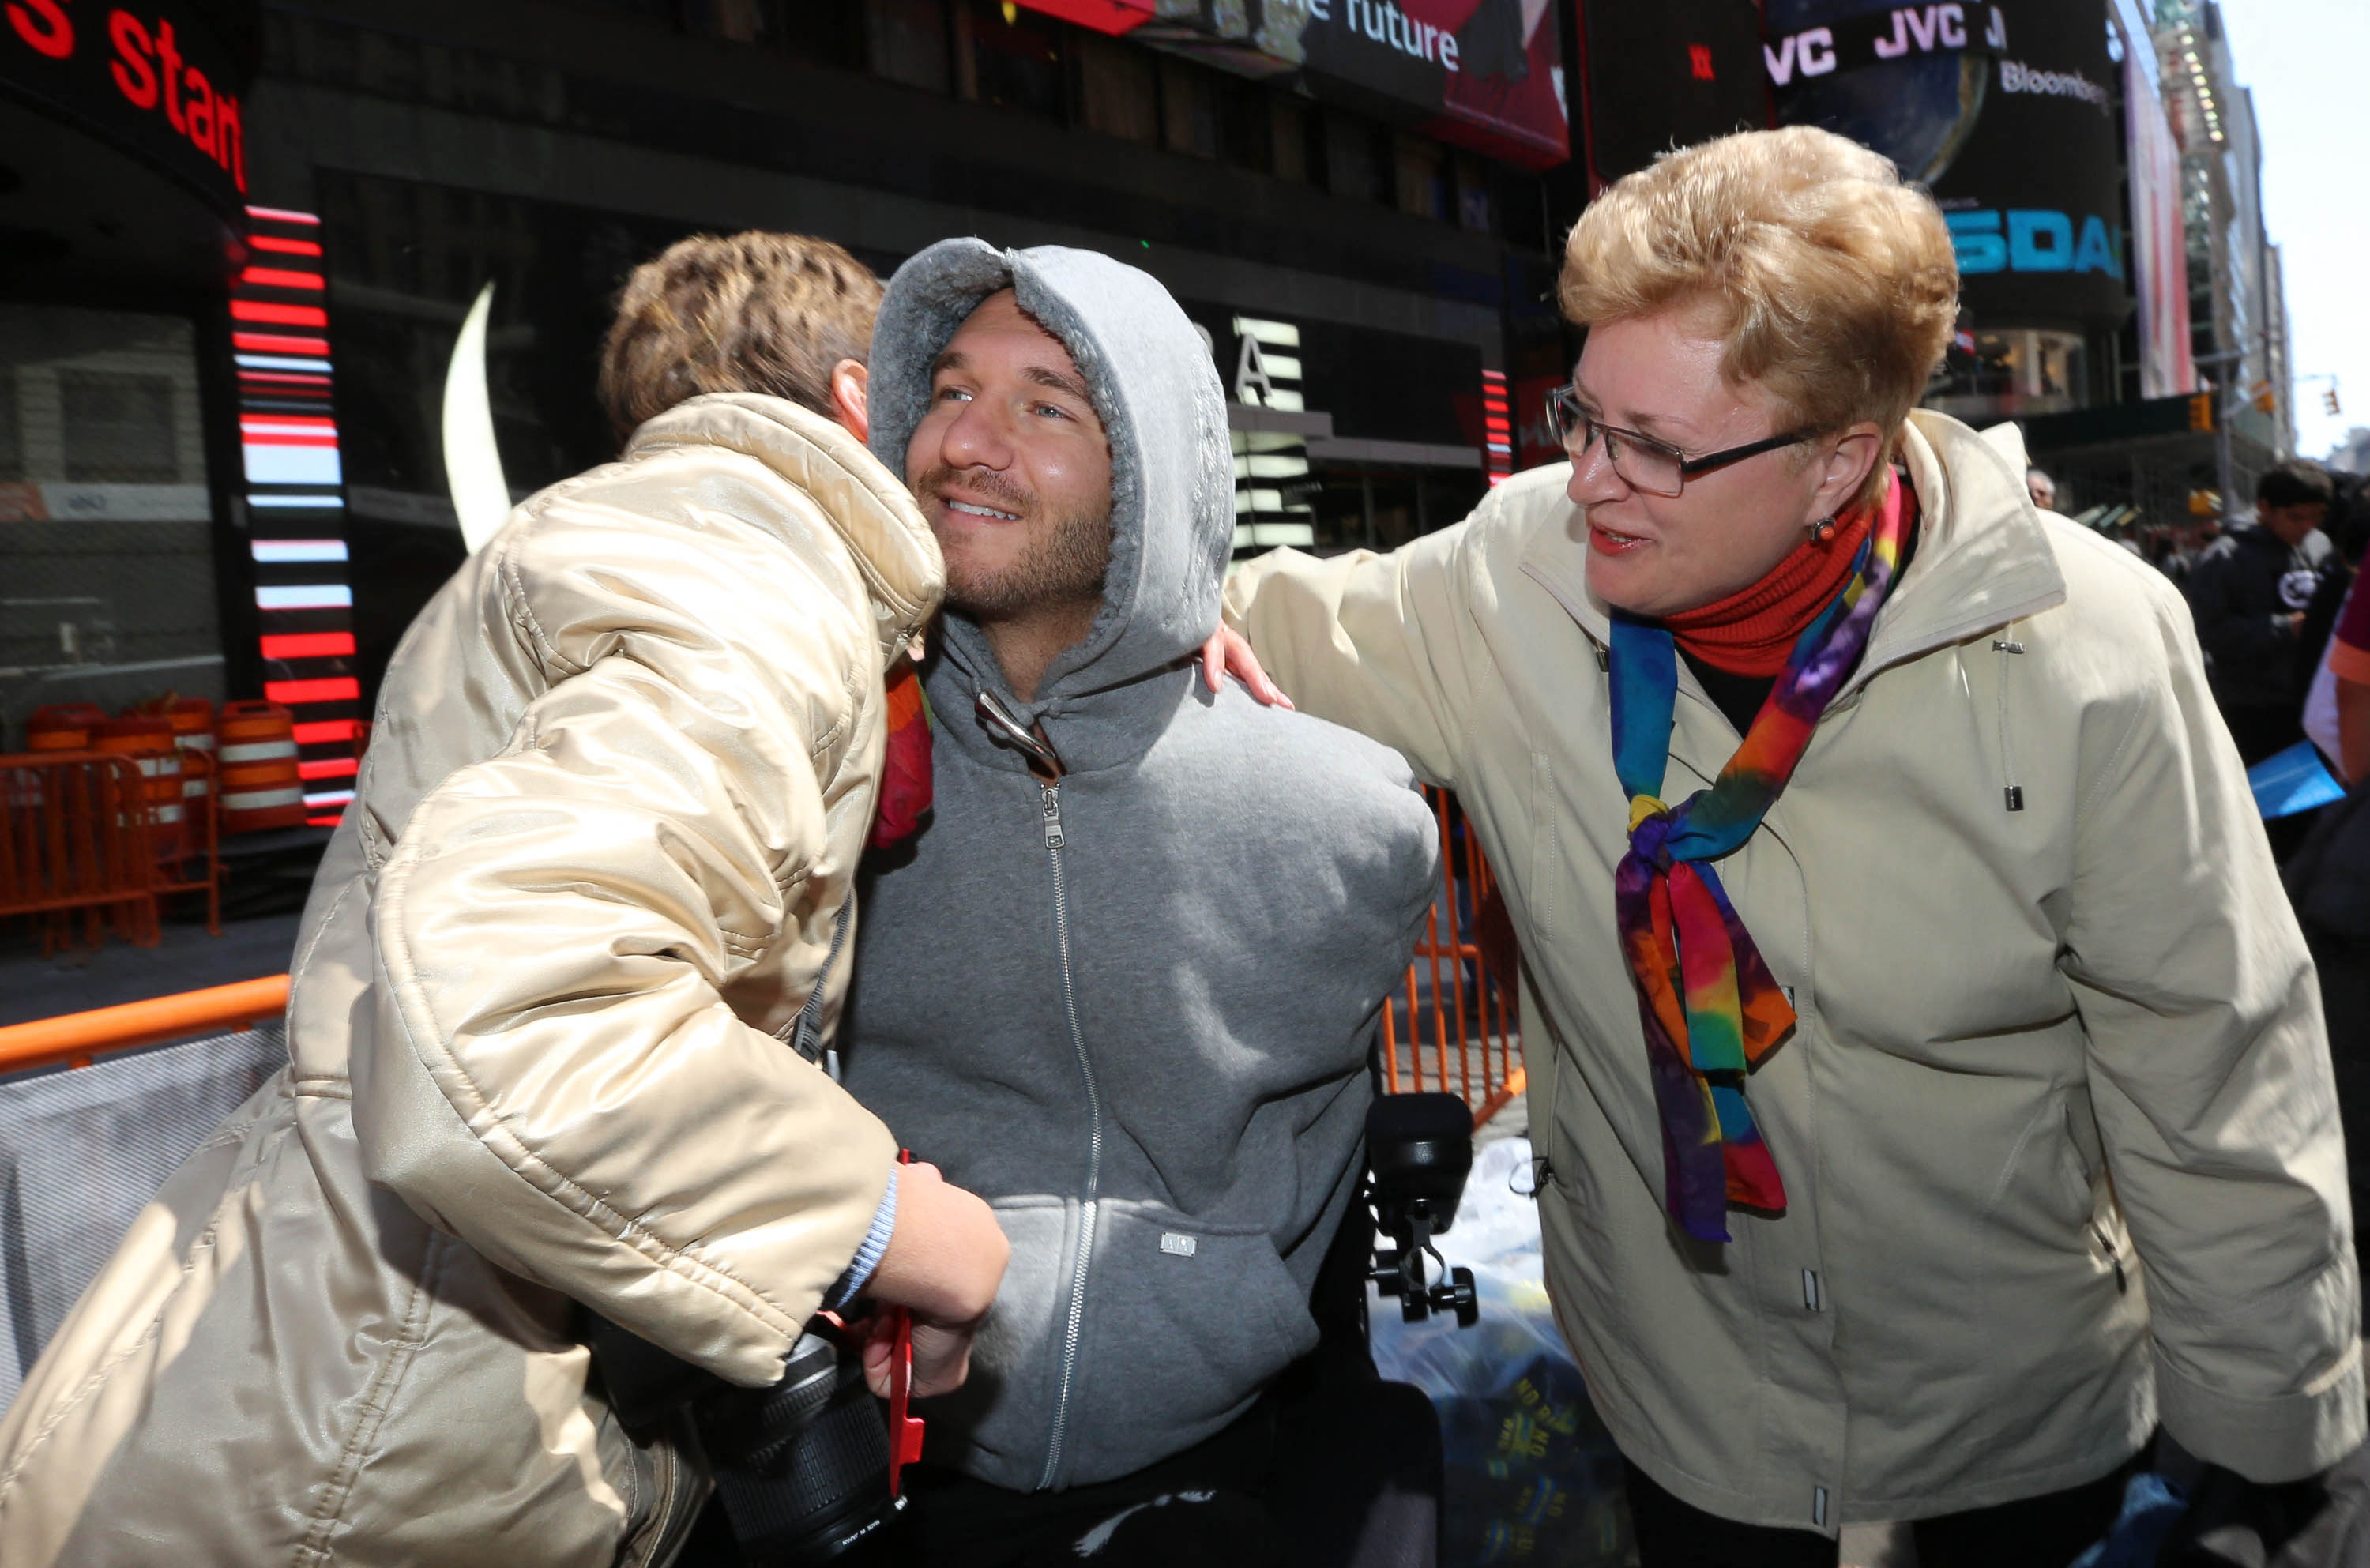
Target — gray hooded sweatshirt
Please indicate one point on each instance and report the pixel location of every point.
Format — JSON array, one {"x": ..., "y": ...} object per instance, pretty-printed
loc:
[{"x": 1131, "y": 1009}]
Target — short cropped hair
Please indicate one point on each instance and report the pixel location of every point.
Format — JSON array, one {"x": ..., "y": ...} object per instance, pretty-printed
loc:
[
  {"x": 1832, "y": 281},
  {"x": 752, "y": 312},
  {"x": 2296, "y": 483}
]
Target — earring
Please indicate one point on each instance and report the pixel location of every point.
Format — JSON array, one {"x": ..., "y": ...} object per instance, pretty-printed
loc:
[{"x": 1823, "y": 530}]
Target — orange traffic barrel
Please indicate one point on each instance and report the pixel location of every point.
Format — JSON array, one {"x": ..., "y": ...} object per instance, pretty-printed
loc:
[
  {"x": 254, "y": 761},
  {"x": 193, "y": 718},
  {"x": 63, "y": 726},
  {"x": 147, "y": 739}
]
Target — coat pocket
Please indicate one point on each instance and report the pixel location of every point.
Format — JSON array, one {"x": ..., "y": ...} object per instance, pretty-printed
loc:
[
  {"x": 997, "y": 1425},
  {"x": 1185, "y": 1322}
]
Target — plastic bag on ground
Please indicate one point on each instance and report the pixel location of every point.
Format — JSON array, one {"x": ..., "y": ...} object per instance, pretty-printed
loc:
[{"x": 1532, "y": 1476}]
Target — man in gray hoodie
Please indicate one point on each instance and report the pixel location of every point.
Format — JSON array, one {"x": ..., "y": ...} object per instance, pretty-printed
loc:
[{"x": 1125, "y": 983}]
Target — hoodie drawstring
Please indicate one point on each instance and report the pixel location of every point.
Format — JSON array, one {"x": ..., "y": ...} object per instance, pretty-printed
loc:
[{"x": 2011, "y": 792}]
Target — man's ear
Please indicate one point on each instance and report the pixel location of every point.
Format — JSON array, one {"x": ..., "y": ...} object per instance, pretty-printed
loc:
[{"x": 850, "y": 391}]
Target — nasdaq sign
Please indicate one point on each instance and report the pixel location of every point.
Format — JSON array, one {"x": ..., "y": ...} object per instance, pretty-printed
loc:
[{"x": 2034, "y": 239}]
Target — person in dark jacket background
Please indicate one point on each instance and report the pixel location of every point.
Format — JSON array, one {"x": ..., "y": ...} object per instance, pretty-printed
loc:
[
  {"x": 1126, "y": 982},
  {"x": 2248, "y": 593}
]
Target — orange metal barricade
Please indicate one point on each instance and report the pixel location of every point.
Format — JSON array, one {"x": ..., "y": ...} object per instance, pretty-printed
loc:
[
  {"x": 1454, "y": 1027},
  {"x": 72, "y": 1039},
  {"x": 76, "y": 836},
  {"x": 1464, "y": 1037}
]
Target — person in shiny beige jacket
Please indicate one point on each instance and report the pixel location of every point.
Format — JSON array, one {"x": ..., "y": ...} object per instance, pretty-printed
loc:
[
  {"x": 598, "y": 860},
  {"x": 2055, "y": 1122}
]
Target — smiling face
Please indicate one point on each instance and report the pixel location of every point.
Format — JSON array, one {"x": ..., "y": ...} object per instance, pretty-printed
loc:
[
  {"x": 1655, "y": 555},
  {"x": 1012, "y": 468}
]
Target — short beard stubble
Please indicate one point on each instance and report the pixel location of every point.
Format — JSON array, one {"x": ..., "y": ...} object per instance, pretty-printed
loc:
[{"x": 1065, "y": 566}]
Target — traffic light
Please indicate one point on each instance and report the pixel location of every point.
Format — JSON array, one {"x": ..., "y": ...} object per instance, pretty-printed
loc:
[
  {"x": 2329, "y": 401},
  {"x": 2264, "y": 399},
  {"x": 2200, "y": 410}
]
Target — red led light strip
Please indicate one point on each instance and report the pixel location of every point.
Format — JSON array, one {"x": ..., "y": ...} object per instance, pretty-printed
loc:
[
  {"x": 1498, "y": 428},
  {"x": 296, "y": 502}
]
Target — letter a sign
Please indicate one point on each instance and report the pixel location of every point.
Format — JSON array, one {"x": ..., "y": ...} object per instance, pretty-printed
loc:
[{"x": 1250, "y": 370}]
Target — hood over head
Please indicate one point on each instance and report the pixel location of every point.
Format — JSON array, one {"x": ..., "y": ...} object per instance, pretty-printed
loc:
[{"x": 1156, "y": 391}]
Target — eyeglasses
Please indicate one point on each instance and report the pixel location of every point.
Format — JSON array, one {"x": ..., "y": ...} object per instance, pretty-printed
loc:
[{"x": 1644, "y": 464}]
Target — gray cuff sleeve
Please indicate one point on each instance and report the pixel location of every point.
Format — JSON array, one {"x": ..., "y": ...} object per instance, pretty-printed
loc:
[
  {"x": 868, "y": 1256},
  {"x": 2286, "y": 1437}
]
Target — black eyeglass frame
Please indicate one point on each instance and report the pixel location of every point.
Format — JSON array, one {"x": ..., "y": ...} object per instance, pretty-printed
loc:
[{"x": 1563, "y": 403}]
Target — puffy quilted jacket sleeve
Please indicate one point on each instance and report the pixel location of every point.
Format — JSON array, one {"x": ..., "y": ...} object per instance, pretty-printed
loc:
[
  {"x": 554, "y": 1074},
  {"x": 1383, "y": 644},
  {"x": 2210, "y": 1075}
]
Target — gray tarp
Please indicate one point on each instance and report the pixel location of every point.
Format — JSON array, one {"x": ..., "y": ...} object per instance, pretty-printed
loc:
[{"x": 81, "y": 1151}]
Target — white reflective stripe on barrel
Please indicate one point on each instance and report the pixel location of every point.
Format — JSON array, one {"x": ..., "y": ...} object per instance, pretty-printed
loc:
[
  {"x": 257, "y": 751},
  {"x": 260, "y": 800},
  {"x": 194, "y": 789}
]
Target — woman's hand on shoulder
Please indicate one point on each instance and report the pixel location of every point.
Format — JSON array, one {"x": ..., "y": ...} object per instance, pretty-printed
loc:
[{"x": 1229, "y": 653}]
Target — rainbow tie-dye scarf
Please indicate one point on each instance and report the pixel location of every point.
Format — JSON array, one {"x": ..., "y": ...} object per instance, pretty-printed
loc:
[{"x": 1678, "y": 930}]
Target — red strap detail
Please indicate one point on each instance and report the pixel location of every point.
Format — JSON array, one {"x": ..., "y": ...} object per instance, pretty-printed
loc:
[{"x": 904, "y": 1428}]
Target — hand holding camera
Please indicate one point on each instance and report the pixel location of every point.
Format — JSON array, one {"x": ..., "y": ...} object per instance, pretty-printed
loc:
[{"x": 943, "y": 1264}]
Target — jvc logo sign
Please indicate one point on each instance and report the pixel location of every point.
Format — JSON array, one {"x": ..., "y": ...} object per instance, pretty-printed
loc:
[
  {"x": 1812, "y": 52},
  {"x": 1888, "y": 35},
  {"x": 2028, "y": 239}
]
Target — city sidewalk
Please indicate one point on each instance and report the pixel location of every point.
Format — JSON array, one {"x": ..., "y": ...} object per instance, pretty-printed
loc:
[{"x": 187, "y": 958}]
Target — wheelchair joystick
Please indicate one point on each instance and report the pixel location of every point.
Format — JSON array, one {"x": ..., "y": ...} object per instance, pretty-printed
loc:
[{"x": 1421, "y": 1149}]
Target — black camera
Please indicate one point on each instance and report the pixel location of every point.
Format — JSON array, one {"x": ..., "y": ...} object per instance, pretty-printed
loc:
[
  {"x": 1419, "y": 1149},
  {"x": 800, "y": 1467}
]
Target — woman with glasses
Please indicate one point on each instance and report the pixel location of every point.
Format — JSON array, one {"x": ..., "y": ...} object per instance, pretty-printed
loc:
[{"x": 1923, "y": 1056}]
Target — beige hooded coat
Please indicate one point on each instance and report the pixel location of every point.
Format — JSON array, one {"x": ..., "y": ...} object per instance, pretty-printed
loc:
[
  {"x": 623, "y": 768},
  {"x": 2056, "y": 1127}
]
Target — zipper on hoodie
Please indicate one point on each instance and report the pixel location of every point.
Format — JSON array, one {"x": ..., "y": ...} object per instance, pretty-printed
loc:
[{"x": 1046, "y": 766}]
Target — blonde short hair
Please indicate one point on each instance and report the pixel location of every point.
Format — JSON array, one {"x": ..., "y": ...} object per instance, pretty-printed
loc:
[
  {"x": 752, "y": 312},
  {"x": 1833, "y": 283}
]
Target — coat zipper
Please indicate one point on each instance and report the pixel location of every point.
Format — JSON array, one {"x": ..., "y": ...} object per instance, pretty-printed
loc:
[
  {"x": 1048, "y": 774},
  {"x": 2011, "y": 793}
]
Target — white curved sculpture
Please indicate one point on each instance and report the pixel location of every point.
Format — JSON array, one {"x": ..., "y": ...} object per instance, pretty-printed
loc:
[{"x": 473, "y": 464}]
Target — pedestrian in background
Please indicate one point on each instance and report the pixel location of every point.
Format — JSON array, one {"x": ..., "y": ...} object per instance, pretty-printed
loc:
[
  {"x": 1923, "y": 1058},
  {"x": 2249, "y": 590}
]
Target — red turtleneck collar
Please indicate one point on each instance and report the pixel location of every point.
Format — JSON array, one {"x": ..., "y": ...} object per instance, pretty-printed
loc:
[{"x": 1752, "y": 632}]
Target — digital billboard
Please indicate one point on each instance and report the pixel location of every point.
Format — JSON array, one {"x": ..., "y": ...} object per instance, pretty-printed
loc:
[
  {"x": 1482, "y": 74},
  {"x": 2159, "y": 242},
  {"x": 155, "y": 79},
  {"x": 2006, "y": 109},
  {"x": 1667, "y": 75},
  {"x": 2034, "y": 198}
]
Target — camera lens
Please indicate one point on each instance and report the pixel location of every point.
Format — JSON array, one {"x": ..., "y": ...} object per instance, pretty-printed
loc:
[{"x": 802, "y": 1466}]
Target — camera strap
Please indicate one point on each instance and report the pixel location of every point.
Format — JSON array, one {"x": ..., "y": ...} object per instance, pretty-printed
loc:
[
  {"x": 904, "y": 1427},
  {"x": 806, "y": 1035}
]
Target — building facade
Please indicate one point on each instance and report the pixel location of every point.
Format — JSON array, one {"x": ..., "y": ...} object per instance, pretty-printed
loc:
[
  {"x": 2238, "y": 303},
  {"x": 1351, "y": 206}
]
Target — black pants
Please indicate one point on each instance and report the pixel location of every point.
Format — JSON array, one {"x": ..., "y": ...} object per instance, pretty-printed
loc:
[
  {"x": 1210, "y": 1504},
  {"x": 2048, "y": 1531},
  {"x": 1329, "y": 1469}
]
